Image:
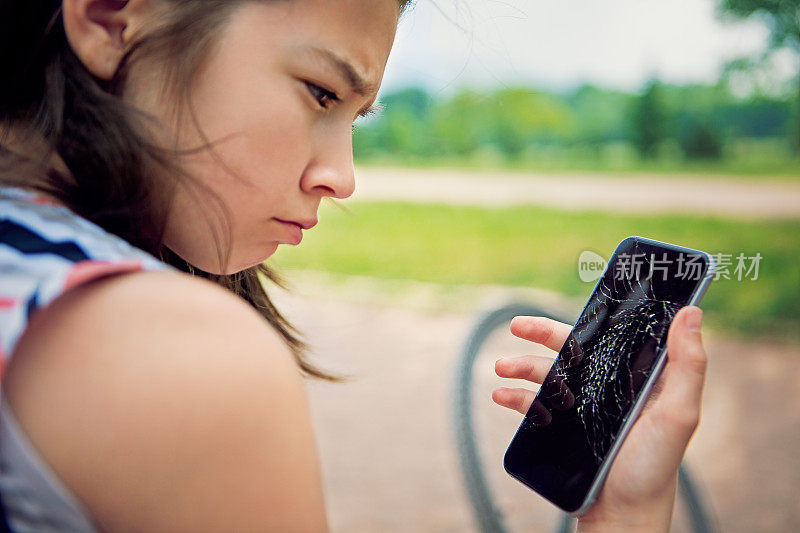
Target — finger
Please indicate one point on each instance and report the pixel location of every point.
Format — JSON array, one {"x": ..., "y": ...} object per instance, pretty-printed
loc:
[
  {"x": 541, "y": 330},
  {"x": 680, "y": 399},
  {"x": 538, "y": 414},
  {"x": 655, "y": 392},
  {"x": 534, "y": 368},
  {"x": 558, "y": 394},
  {"x": 519, "y": 400}
]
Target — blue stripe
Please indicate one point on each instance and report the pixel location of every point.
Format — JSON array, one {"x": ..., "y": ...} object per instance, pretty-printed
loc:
[
  {"x": 32, "y": 305},
  {"x": 28, "y": 242}
]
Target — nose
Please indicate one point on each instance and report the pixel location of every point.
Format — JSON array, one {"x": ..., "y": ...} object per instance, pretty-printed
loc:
[{"x": 331, "y": 171}]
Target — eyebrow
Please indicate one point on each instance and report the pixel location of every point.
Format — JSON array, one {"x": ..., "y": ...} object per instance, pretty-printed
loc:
[{"x": 357, "y": 82}]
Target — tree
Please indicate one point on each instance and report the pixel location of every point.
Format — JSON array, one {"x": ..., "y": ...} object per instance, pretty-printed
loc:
[
  {"x": 459, "y": 123},
  {"x": 520, "y": 114},
  {"x": 783, "y": 18},
  {"x": 648, "y": 121},
  {"x": 702, "y": 141}
]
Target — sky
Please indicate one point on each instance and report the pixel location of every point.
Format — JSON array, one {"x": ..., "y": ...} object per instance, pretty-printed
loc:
[{"x": 559, "y": 44}]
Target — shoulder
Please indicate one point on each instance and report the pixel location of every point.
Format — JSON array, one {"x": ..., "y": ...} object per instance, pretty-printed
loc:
[{"x": 165, "y": 402}]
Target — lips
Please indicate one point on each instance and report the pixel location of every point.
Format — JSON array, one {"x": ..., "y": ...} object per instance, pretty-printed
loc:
[
  {"x": 304, "y": 224},
  {"x": 294, "y": 228}
]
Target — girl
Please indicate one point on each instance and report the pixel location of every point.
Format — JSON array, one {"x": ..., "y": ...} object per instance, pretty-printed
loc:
[{"x": 153, "y": 154}]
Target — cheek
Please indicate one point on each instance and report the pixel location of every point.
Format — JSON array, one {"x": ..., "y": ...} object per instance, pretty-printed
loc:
[{"x": 261, "y": 132}]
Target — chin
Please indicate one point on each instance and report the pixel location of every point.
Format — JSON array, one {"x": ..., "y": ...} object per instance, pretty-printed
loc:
[{"x": 237, "y": 263}]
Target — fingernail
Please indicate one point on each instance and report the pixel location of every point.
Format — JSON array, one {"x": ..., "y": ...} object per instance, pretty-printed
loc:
[{"x": 695, "y": 319}]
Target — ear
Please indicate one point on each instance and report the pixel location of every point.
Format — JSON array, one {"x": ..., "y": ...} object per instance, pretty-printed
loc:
[{"x": 99, "y": 31}]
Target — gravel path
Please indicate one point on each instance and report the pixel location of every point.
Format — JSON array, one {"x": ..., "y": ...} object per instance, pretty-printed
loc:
[{"x": 759, "y": 198}]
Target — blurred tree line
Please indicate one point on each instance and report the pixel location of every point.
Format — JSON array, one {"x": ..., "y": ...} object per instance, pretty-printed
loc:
[
  {"x": 783, "y": 19},
  {"x": 514, "y": 124}
]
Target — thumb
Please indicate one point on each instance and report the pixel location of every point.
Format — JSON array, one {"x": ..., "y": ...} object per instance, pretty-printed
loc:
[{"x": 680, "y": 400}]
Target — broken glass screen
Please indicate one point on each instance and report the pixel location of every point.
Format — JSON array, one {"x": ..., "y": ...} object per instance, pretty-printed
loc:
[{"x": 601, "y": 369}]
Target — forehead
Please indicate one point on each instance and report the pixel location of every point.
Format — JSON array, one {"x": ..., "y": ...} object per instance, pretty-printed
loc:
[{"x": 357, "y": 32}]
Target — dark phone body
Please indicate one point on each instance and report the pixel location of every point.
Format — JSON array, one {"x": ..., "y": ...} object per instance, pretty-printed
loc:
[{"x": 601, "y": 378}]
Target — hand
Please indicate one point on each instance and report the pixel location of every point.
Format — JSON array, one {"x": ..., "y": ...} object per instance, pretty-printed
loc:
[{"x": 639, "y": 491}]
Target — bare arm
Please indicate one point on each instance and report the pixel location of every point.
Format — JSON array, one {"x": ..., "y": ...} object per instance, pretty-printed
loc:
[{"x": 166, "y": 404}]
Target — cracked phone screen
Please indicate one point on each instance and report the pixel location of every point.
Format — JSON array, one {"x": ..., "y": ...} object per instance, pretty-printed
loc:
[{"x": 604, "y": 364}]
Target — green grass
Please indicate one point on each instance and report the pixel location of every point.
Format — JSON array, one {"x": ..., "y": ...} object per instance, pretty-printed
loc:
[{"x": 539, "y": 247}]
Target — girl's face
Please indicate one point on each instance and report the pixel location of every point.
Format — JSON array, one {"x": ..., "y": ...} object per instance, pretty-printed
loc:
[{"x": 277, "y": 98}]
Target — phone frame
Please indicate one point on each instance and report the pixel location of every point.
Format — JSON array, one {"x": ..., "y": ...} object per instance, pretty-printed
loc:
[{"x": 644, "y": 393}]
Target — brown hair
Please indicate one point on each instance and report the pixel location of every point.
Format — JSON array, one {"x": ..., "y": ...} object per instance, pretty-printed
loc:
[{"x": 88, "y": 149}]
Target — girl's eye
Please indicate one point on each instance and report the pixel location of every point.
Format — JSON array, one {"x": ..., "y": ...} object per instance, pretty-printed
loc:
[{"x": 320, "y": 94}]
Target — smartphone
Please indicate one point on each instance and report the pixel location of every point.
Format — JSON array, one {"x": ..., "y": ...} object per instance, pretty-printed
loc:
[{"x": 602, "y": 375}]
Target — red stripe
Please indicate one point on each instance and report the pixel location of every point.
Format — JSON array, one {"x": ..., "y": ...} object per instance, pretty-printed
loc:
[
  {"x": 89, "y": 270},
  {"x": 44, "y": 201}
]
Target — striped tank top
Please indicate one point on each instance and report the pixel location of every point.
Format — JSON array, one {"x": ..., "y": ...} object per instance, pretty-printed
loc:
[{"x": 45, "y": 250}]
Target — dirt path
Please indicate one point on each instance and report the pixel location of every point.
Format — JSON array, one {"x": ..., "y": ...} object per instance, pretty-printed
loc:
[
  {"x": 386, "y": 439},
  {"x": 635, "y": 194}
]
